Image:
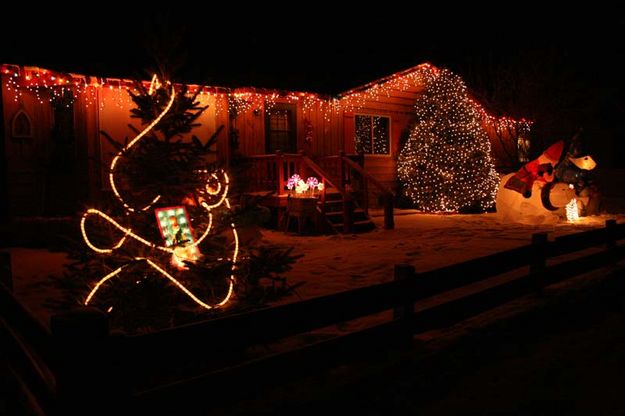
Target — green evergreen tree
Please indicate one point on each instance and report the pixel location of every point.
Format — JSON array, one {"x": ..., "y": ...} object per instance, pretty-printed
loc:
[
  {"x": 161, "y": 163},
  {"x": 445, "y": 164}
]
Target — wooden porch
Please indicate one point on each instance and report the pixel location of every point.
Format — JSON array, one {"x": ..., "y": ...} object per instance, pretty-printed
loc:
[{"x": 343, "y": 204}]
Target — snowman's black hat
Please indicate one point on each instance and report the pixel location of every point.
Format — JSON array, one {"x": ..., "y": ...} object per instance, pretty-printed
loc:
[{"x": 575, "y": 146}]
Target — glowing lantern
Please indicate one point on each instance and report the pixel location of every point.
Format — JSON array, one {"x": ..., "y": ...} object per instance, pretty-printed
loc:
[{"x": 572, "y": 212}]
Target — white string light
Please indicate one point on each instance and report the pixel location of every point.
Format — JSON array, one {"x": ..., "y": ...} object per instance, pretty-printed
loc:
[
  {"x": 239, "y": 100},
  {"x": 445, "y": 165},
  {"x": 572, "y": 212},
  {"x": 243, "y": 100}
]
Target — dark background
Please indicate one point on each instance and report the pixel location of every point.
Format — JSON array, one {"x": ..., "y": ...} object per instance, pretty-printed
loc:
[{"x": 565, "y": 70}]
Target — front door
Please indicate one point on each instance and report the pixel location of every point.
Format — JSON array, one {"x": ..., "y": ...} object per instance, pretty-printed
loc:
[{"x": 280, "y": 129}]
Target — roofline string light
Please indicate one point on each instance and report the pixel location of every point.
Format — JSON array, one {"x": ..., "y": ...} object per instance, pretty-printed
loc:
[
  {"x": 240, "y": 100},
  {"x": 127, "y": 232}
]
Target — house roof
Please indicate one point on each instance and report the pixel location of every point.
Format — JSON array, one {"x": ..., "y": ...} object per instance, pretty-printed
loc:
[
  {"x": 404, "y": 85},
  {"x": 35, "y": 76},
  {"x": 388, "y": 78}
]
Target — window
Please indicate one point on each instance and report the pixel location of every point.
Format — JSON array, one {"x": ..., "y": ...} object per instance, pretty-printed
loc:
[
  {"x": 372, "y": 134},
  {"x": 280, "y": 122},
  {"x": 523, "y": 148}
]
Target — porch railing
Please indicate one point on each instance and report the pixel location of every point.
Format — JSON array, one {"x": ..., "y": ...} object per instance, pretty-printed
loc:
[
  {"x": 348, "y": 170},
  {"x": 272, "y": 172}
]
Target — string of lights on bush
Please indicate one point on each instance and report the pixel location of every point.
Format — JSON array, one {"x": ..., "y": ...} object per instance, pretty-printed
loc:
[
  {"x": 219, "y": 191},
  {"x": 445, "y": 165}
]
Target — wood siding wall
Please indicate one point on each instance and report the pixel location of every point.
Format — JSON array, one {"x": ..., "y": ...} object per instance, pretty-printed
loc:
[
  {"x": 503, "y": 150},
  {"x": 113, "y": 117},
  {"x": 328, "y": 133},
  {"x": 87, "y": 126},
  {"x": 250, "y": 128},
  {"x": 4, "y": 183},
  {"x": 26, "y": 157},
  {"x": 398, "y": 106},
  {"x": 326, "y": 130}
]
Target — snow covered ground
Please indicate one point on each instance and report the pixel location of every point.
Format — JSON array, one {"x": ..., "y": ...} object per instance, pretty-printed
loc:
[
  {"x": 341, "y": 262},
  {"x": 427, "y": 241}
]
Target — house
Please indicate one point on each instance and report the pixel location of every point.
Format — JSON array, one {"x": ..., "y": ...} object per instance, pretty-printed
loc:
[{"x": 53, "y": 148}]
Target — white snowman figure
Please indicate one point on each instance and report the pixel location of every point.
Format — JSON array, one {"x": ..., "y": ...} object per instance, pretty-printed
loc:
[
  {"x": 533, "y": 195},
  {"x": 514, "y": 207}
]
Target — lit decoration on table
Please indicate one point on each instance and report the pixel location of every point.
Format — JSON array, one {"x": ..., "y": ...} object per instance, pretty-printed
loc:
[
  {"x": 293, "y": 181},
  {"x": 304, "y": 189},
  {"x": 173, "y": 223},
  {"x": 312, "y": 182},
  {"x": 445, "y": 165}
]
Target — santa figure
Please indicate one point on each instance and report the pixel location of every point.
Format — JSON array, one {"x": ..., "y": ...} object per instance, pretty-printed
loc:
[
  {"x": 540, "y": 170},
  {"x": 540, "y": 190}
]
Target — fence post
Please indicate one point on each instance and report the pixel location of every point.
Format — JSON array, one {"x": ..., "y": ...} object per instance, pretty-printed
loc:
[
  {"x": 538, "y": 261},
  {"x": 82, "y": 361},
  {"x": 610, "y": 230},
  {"x": 405, "y": 277},
  {"x": 6, "y": 275}
]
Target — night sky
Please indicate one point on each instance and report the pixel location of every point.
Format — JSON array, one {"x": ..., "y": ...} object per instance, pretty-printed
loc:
[{"x": 564, "y": 70}]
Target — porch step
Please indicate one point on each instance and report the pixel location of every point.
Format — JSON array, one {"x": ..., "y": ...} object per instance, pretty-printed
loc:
[
  {"x": 333, "y": 212},
  {"x": 335, "y": 217},
  {"x": 358, "y": 226}
]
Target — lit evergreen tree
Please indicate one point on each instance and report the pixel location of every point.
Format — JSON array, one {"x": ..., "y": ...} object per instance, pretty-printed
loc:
[
  {"x": 139, "y": 259},
  {"x": 445, "y": 164}
]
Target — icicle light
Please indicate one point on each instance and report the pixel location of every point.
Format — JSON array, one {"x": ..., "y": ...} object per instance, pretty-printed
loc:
[
  {"x": 48, "y": 85},
  {"x": 237, "y": 101}
]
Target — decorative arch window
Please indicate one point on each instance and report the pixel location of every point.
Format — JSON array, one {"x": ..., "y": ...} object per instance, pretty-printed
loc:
[{"x": 21, "y": 126}]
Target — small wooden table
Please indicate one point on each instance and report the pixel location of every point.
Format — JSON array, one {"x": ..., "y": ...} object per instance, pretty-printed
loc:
[{"x": 302, "y": 209}]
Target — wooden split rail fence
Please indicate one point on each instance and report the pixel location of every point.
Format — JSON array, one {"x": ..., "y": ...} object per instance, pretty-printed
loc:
[{"x": 77, "y": 366}]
